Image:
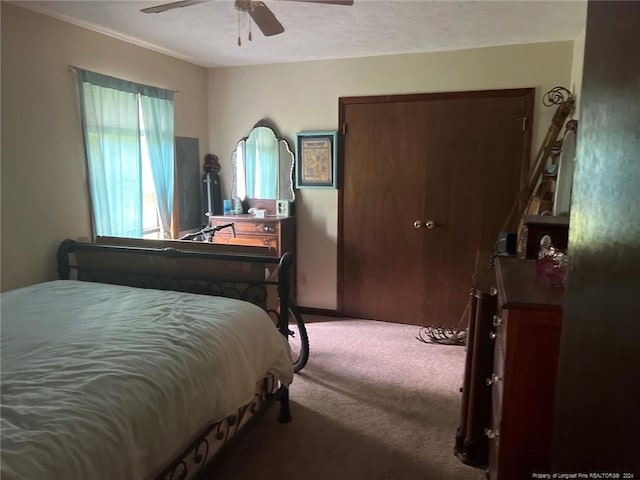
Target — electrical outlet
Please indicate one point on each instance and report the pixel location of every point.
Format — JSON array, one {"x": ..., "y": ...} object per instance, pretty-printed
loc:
[{"x": 303, "y": 279}]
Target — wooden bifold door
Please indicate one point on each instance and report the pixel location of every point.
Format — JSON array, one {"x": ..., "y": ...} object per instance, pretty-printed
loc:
[{"x": 427, "y": 181}]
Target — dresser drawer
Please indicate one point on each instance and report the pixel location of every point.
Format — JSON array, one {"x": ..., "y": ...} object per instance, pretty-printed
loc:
[
  {"x": 250, "y": 228},
  {"x": 275, "y": 233},
  {"x": 270, "y": 241}
]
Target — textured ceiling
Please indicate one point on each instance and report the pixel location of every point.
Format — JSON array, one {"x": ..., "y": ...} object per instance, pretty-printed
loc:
[{"x": 206, "y": 34}]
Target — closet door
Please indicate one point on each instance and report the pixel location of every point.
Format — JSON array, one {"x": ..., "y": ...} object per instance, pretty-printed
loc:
[
  {"x": 427, "y": 182},
  {"x": 383, "y": 196}
]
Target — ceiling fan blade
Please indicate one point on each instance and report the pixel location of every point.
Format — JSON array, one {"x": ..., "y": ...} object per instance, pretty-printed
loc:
[
  {"x": 170, "y": 6},
  {"x": 265, "y": 19},
  {"x": 329, "y": 2}
]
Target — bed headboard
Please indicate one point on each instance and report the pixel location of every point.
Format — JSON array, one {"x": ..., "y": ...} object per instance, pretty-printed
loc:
[{"x": 259, "y": 279}]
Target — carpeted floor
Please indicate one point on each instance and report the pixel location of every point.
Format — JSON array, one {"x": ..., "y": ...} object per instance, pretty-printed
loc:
[{"x": 373, "y": 403}]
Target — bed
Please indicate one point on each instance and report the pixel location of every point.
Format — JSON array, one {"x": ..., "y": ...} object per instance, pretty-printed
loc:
[{"x": 140, "y": 363}]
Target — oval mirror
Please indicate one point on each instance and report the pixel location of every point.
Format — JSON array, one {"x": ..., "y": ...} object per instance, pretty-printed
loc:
[{"x": 262, "y": 166}]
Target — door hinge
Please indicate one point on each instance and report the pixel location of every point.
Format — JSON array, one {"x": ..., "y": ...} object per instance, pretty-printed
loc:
[
  {"x": 524, "y": 123},
  {"x": 344, "y": 129}
]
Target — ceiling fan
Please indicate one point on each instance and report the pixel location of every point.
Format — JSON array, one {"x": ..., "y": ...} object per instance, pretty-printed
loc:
[{"x": 256, "y": 9}]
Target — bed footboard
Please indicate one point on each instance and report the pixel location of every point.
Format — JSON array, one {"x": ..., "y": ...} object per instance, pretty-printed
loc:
[{"x": 198, "y": 459}]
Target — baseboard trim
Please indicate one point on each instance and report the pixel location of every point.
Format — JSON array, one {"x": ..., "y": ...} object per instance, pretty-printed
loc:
[{"x": 318, "y": 311}]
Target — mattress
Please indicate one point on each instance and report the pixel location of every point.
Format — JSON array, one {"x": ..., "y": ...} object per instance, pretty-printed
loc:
[{"x": 105, "y": 381}]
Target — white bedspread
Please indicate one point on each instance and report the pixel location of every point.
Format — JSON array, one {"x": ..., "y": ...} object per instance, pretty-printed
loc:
[{"x": 109, "y": 382}]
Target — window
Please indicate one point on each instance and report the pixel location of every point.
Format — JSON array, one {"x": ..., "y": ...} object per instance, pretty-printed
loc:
[{"x": 129, "y": 144}]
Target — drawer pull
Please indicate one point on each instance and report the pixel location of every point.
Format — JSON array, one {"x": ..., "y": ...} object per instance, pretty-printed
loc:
[
  {"x": 493, "y": 335},
  {"x": 493, "y": 291},
  {"x": 494, "y": 379},
  {"x": 490, "y": 433},
  {"x": 497, "y": 321}
]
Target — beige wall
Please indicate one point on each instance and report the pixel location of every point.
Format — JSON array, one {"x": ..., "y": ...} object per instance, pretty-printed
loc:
[
  {"x": 304, "y": 96},
  {"x": 44, "y": 192}
]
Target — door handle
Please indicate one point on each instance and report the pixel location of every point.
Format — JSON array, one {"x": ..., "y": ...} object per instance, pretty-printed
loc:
[
  {"x": 417, "y": 224},
  {"x": 429, "y": 224}
]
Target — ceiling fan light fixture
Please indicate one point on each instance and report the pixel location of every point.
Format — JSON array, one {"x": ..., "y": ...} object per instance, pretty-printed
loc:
[{"x": 244, "y": 5}]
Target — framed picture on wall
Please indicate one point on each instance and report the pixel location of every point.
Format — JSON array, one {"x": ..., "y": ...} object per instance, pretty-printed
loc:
[{"x": 316, "y": 154}]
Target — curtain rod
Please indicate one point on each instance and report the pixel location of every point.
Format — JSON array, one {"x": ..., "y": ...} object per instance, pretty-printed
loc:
[{"x": 74, "y": 69}]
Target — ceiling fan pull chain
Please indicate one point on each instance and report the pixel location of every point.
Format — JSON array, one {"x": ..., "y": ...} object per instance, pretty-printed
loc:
[
  {"x": 239, "y": 40},
  {"x": 249, "y": 36}
]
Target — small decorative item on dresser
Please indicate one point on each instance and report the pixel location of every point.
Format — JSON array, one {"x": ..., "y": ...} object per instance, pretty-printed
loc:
[
  {"x": 226, "y": 206},
  {"x": 237, "y": 206},
  {"x": 545, "y": 262},
  {"x": 559, "y": 273},
  {"x": 551, "y": 263},
  {"x": 282, "y": 208}
]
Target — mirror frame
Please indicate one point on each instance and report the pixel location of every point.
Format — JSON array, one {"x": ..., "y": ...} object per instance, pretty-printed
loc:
[{"x": 286, "y": 163}]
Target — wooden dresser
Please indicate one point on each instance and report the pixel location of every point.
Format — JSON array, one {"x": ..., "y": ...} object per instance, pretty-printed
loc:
[
  {"x": 527, "y": 342},
  {"x": 274, "y": 232}
]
